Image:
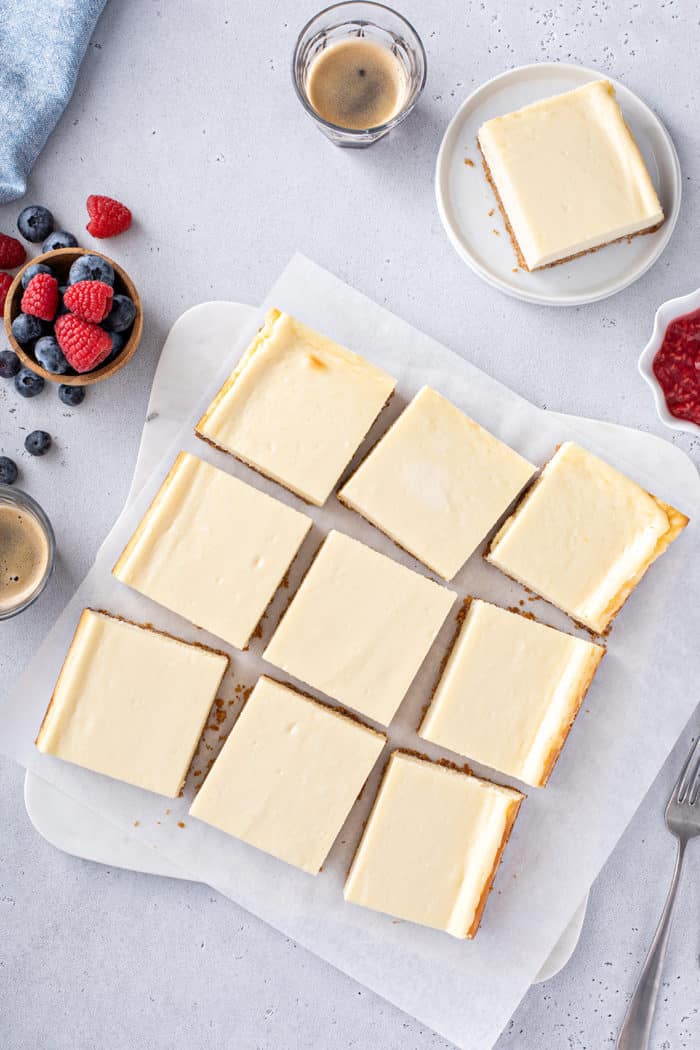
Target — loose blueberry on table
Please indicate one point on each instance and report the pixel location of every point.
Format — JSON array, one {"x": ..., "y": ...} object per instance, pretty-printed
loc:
[
  {"x": 8, "y": 471},
  {"x": 37, "y": 443}
]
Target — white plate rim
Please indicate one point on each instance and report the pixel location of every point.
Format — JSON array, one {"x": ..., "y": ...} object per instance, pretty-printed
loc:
[
  {"x": 441, "y": 189},
  {"x": 666, "y": 313}
]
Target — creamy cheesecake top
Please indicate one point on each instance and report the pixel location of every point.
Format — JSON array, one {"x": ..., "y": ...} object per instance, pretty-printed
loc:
[
  {"x": 509, "y": 692},
  {"x": 569, "y": 174},
  {"x": 131, "y": 702},
  {"x": 296, "y": 407},
  {"x": 437, "y": 482},
  {"x": 288, "y": 775},
  {"x": 359, "y": 627},
  {"x": 431, "y": 845},
  {"x": 212, "y": 549},
  {"x": 584, "y": 536}
]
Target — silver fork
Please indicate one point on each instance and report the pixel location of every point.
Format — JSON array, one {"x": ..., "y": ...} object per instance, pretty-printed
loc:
[{"x": 683, "y": 821}]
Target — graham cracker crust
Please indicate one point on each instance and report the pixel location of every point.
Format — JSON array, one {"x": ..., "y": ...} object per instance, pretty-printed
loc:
[{"x": 558, "y": 262}]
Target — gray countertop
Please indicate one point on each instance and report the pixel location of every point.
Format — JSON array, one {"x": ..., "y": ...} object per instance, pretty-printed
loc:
[{"x": 186, "y": 112}]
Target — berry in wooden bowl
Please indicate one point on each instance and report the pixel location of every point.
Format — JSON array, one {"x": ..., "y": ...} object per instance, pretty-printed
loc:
[{"x": 73, "y": 348}]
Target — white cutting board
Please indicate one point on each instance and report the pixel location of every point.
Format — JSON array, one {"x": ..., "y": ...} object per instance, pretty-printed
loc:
[{"x": 190, "y": 357}]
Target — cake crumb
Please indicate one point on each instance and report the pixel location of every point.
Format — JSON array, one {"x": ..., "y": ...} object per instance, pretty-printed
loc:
[
  {"x": 516, "y": 269},
  {"x": 136, "y": 823},
  {"x": 496, "y": 232},
  {"x": 491, "y": 212},
  {"x": 181, "y": 823},
  {"x": 468, "y": 162}
]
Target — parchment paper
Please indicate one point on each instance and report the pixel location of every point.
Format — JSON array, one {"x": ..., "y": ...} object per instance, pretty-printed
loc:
[{"x": 634, "y": 712}]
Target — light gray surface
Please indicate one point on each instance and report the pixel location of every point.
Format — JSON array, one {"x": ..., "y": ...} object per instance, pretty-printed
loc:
[{"x": 186, "y": 112}]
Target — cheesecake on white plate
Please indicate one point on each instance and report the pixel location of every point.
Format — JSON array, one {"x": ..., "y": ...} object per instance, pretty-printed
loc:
[
  {"x": 432, "y": 845},
  {"x": 359, "y": 627},
  {"x": 510, "y": 691},
  {"x": 584, "y": 535},
  {"x": 288, "y": 775},
  {"x": 568, "y": 176},
  {"x": 436, "y": 483},
  {"x": 296, "y": 407},
  {"x": 212, "y": 548},
  {"x": 131, "y": 702}
]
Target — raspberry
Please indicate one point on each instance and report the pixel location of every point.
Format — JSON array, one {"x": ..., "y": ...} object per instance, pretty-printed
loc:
[
  {"x": 90, "y": 300},
  {"x": 107, "y": 216},
  {"x": 85, "y": 345},
  {"x": 40, "y": 297},
  {"x": 5, "y": 282},
  {"x": 12, "y": 254}
]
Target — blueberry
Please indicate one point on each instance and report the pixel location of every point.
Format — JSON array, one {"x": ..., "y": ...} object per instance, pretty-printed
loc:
[
  {"x": 37, "y": 443},
  {"x": 121, "y": 316},
  {"x": 91, "y": 268},
  {"x": 50, "y": 356},
  {"x": 118, "y": 341},
  {"x": 8, "y": 471},
  {"x": 25, "y": 328},
  {"x": 62, "y": 308},
  {"x": 9, "y": 364},
  {"x": 71, "y": 395},
  {"x": 33, "y": 270},
  {"x": 28, "y": 383},
  {"x": 35, "y": 223},
  {"x": 59, "y": 239}
]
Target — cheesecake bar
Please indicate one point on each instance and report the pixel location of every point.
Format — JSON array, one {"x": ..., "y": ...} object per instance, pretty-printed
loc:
[
  {"x": 131, "y": 702},
  {"x": 288, "y": 775},
  {"x": 510, "y": 691},
  {"x": 359, "y": 627},
  {"x": 583, "y": 536},
  {"x": 568, "y": 176},
  {"x": 212, "y": 549},
  {"x": 432, "y": 845},
  {"x": 296, "y": 407},
  {"x": 436, "y": 483}
]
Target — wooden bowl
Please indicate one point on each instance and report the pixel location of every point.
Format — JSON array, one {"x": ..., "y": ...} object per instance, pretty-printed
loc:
[{"x": 60, "y": 262}]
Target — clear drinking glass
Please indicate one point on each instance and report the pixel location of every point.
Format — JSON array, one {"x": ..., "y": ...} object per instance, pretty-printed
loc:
[
  {"x": 373, "y": 22},
  {"x": 24, "y": 504}
]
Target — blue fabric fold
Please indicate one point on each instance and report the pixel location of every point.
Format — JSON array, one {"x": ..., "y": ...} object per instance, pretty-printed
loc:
[{"x": 42, "y": 43}]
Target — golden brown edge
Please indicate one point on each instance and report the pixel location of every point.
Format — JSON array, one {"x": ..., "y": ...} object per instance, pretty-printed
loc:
[
  {"x": 558, "y": 262},
  {"x": 511, "y": 815},
  {"x": 594, "y": 660}
]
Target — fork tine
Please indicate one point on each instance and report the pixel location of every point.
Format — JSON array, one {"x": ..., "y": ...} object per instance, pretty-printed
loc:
[{"x": 688, "y": 774}]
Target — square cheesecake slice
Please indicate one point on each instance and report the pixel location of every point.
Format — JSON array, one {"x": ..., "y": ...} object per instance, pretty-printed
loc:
[
  {"x": 288, "y": 775},
  {"x": 510, "y": 691},
  {"x": 568, "y": 176},
  {"x": 436, "y": 483},
  {"x": 432, "y": 845},
  {"x": 583, "y": 536},
  {"x": 359, "y": 627},
  {"x": 212, "y": 549},
  {"x": 131, "y": 702},
  {"x": 296, "y": 407}
]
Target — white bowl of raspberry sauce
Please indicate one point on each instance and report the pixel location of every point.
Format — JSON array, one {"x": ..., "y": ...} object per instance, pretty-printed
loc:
[{"x": 670, "y": 362}]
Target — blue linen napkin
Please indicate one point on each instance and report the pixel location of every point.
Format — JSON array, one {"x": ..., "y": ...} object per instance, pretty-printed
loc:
[{"x": 42, "y": 43}]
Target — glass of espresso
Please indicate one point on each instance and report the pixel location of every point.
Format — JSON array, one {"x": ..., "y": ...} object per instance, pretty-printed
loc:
[
  {"x": 358, "y": 69},
  {"x": 27, "y": 551}
]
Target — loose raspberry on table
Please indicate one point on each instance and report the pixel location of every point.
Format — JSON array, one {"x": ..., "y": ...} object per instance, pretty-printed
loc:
[
  {"x": 12, "y": 253},
  {"x": 91, "y": 300},
  {"x": 107, "y": 216},
  {"x": 5, "y": 282},
  {"x": 85, "y": 345},
  {"x": 40, "y": 298}
]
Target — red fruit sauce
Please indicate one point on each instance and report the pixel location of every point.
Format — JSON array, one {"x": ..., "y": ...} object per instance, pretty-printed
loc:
[{"x": 677, "y": 367}]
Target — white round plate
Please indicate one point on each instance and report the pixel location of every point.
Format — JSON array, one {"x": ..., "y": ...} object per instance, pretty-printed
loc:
[{"x": 464, "y": 197}]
